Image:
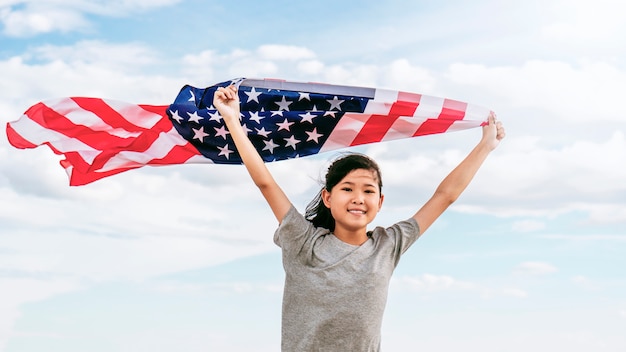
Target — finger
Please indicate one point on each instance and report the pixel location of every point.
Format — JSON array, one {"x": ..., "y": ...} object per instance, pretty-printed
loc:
[{"x": 492, "y": 118}]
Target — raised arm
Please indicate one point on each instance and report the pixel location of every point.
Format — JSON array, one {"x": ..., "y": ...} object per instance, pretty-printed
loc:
[
  {"x": 455, "y": 183},
  {"x": 226, "y": 101}
]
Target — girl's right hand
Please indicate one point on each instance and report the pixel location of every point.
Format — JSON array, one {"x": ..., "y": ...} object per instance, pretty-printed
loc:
[{"x": 226, "y": 101}]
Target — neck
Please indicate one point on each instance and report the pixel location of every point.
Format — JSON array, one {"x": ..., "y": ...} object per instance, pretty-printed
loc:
[{"x": 356, "y": 238}]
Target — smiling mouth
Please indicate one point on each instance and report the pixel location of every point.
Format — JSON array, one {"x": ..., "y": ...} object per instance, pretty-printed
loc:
[{"x": 356, "y": 211}]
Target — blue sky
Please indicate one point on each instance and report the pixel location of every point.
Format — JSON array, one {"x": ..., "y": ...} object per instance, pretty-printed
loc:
[{"x": 180, "y": 258}]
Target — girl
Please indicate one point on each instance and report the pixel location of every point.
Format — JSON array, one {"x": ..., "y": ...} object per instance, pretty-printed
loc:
[{"x": 336, "y": 272}]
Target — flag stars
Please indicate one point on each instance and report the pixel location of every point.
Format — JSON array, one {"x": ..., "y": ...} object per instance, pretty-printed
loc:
[
  {"x": 335, "y": 103},
  {"x": 314, "y": 136},
  {"x": 253, "y": 95},
  {"x": 254, "y": 116},
  {"x": 175, "y": 116},
  {"x": 262, "y": 132},
  {"x": 215, "y": 116},
  {"x": 224, "y": 151},
  {"x": 308, "y": 117},
  {"x": 221, "y": 132},
  {"x": 246, "y": 128},
  {"x": 292, "y": 142},
  {"x": 195, "y": 117},
  {"x": 283, "y": 104},
  {"x": 270, "y": 145},
  {"x": 199, "y": 134},
  {"x": 285, "y": 125},
  {"x": 304, "y": 95}
]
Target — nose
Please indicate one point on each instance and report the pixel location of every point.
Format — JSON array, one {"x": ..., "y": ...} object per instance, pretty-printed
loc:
[{"x": 358, "y": 199}]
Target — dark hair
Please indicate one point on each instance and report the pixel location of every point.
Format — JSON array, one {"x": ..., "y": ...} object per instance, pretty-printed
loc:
[{"x": 316, "y": 211}]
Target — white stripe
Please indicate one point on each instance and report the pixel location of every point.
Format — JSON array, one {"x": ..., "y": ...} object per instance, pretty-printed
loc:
[
  {"x": 382, "y": 102},
  {"x": 159, "y": 149},
  {"x": 464, "y": 125},
  {"x": 134, "y": 114},
  {"x": 346, "y": 130},
  {"x": 429, "y": 107},
  {"x": 403, "y": 127},
  {"x": 36, "y": 134},
  {"x": 199, "y": 159},
  {"x": 82, "y": 117},
  {"x": 476, "y": 112}
]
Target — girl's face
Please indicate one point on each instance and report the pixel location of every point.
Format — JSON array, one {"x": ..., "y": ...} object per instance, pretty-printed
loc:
[{"x": 354, "y": 201}]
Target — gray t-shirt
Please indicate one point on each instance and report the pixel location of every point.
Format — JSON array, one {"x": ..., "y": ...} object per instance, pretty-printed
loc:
[{"x": 335, "y": 293}]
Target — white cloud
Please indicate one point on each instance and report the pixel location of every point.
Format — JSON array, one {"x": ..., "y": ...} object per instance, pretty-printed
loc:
[
  {"x": 24, "y": 18},
  {"x": 535, "y": 269},
  {"x": 429, "y": 283},
  {"x": 533, "y": 179},
  {"x": 284, "y": 52},
  {"x": 585, "y": 282},
  {"x": 584, "y": 21},
  {"x": 36, "y": 21},
  {"x": 20, "y": 290},
  {"x": 528, "y": 225}
]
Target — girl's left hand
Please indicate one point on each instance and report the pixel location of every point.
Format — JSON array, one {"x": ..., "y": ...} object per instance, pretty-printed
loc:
[{"x": 493, "y": 132}]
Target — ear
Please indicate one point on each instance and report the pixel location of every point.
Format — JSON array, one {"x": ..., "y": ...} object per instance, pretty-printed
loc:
[
  {"x": 326, "y": 198},
  {"x": 380, "y": 201}
]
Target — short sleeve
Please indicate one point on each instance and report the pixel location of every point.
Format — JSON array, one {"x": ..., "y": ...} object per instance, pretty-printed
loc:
[{"x": 293, "y": 230}]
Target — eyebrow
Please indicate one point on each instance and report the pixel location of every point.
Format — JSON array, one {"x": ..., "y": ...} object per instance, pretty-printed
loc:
[{"x": 353, "y": 183}]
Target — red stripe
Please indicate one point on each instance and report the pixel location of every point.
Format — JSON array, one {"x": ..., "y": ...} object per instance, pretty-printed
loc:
[
  {"x": 81, "y": 173},
  {"x": 164, "y": 123},
  {"x": 106, "y": 113},
  {"x": 452, "y": 111},
  {"x": 50, "y": 119},
  {"x": 178, "y": 155},
  {"x": 16, "y": 140},
  {"x": 377, "y": 125}
]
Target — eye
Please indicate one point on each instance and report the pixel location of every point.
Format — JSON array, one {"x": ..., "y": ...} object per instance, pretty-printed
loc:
[
  {"x": 346, "y": 189},
  {"x": 370, "y": 191}
]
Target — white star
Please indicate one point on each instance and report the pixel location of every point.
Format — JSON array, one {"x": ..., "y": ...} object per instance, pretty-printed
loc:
[
  {"x": 307, "y": 117},
  {"x": 304, "y": 95},
  {"x": 277, "y": 113},
  {"x": 253, "y": 95},
  {"x": 284, "y": 125},
  {"x": 195, "y": 117},
  {"x": 330, "y": 113},
  {"x": 193, "y": 96},
  {"x": 225, "y": 151},
  {"x": 222, "y": 132},
  {"x": 199, "y": 134},
  {"x": 245, "y": 128},
  {"x": 283, "y": 104},
  {"x": 262, "y": 132},
  {"x": 292, "y": 142},
  {"x": 254, "y": 116},
  {"x": 175, "y": 116},
  {"x": 313, "y": 135},
  {"x": 215, "y": 116},
  {"x": 335, "y": 103},
  {"x": 270, "y": 145}
]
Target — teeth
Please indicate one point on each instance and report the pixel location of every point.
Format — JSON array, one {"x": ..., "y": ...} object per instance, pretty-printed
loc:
[{"x": 357, "y": 211}]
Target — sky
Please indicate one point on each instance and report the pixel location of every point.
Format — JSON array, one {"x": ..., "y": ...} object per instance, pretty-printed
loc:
[{"x": 180, "y": 258}]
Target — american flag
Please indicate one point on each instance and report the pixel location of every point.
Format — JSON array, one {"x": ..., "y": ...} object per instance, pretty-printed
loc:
[{"x": 284, "y": 120}]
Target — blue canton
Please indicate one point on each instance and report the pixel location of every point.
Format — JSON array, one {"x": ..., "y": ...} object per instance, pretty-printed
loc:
[{"x": 281, "y": 124}]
